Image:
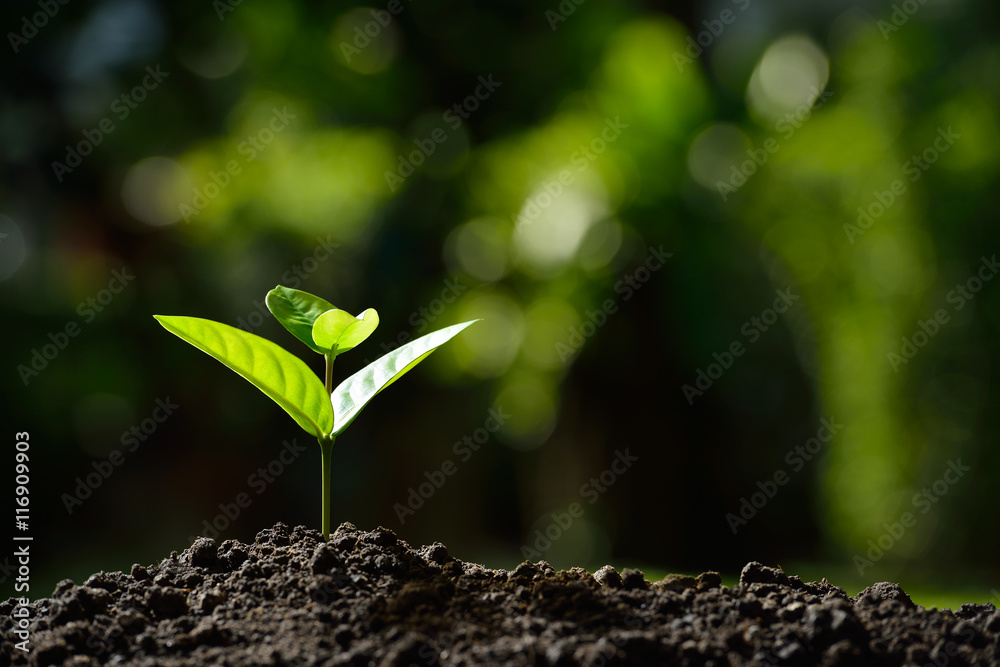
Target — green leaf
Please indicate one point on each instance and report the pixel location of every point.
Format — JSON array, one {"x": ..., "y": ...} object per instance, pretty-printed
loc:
[
  {"x": 357, "y": 391},
  {"x": 283, "y": 377},
  {"x": 298, "y": 311},
  {"x": 341, "y": 329}
]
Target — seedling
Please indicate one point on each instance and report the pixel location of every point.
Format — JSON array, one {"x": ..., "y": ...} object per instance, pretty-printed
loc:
[{"x": 319, "y": 408}]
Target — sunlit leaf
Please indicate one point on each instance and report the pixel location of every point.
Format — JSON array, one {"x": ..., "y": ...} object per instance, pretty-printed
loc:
[
  {"x": 298, "y": 311},
  {"x": 283, "y": 377},
  {"x": 343, "y": 330},
  {"x": 357, "y": 391}
]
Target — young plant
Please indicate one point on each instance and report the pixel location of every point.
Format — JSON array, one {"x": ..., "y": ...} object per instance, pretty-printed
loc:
[{"x": 319, "y": 408}]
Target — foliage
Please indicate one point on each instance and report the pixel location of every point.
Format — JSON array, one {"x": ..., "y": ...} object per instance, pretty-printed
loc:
[{"x": 287, "y": 381}]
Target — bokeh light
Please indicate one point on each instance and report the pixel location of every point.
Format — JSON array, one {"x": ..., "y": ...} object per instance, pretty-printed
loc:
[
  {"x": 795, "y": 149},
  {"x": 789, "y": 77}
]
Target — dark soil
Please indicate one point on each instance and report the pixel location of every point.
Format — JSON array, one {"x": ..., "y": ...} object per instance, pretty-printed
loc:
[{"x": 369, "y": 598}]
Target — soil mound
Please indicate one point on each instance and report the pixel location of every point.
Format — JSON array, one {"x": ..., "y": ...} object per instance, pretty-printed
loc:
[{"x": 369, "y": 598}]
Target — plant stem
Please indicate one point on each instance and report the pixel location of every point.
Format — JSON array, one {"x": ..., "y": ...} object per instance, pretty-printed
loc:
[
  {"x": 329, "y": 356},
  {"x": 326, "y": 448},
  {"x": 326, "y": 451}
]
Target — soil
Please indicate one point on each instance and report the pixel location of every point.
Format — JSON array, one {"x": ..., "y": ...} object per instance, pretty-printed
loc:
[{"x": 369, "y": 598}]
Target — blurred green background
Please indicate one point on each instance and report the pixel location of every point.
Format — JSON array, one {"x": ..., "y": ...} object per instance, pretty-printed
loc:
[{"x": 694, "y": 232}]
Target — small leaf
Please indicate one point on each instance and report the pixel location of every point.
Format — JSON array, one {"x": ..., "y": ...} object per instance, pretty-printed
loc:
[
  {"x": 329, "y": 326},
  {"x": 357, "y": 391},
  {"x": 283, "y": 377},
  {"x": 341, "y": 329},
  {"x": 298, "y": 311}
]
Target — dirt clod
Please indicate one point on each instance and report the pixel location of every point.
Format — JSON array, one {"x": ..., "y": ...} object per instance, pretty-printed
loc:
[
  {"x": 369, "y": 598},
  {"x": 203, "y": 553},
  {"x": 883, "y": 590},
  {"x": 608, "y": 577}
]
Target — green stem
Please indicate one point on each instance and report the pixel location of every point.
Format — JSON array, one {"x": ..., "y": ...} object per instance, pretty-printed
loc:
[
  {"x": 326, "y": 448},
  {"x": 329, "y": 356},
  {"x": 326, "y": 451}
]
